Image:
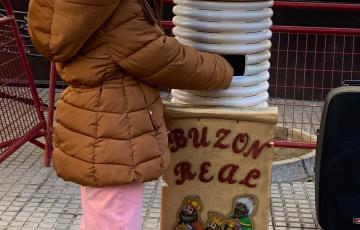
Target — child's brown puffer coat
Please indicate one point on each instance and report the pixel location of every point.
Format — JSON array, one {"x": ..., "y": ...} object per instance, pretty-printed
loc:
[{"x": 110, "y": 128}]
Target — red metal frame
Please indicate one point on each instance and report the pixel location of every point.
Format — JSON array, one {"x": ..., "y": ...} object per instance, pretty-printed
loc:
[
  {"x": 303, "y": 6},
  {"x": 51, "y": 106},
  {"x": 329, "y": 46},
  {"x": 317, "y": 6},
  {"x": 15, "y": 97},
  {"x": 315, "y": 30},
  {"x": 308, "y": 5},
  {"x": 294, "y": 144}
]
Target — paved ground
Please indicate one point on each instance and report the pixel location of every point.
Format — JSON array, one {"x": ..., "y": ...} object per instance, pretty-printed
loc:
[{"x": 32, "y": 197}]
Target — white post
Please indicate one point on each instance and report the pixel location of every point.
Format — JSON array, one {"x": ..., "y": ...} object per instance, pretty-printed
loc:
[{"x": 236, "y": 28}]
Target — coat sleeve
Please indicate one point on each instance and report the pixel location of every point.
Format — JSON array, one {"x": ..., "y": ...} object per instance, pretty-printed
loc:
[
  {"x": 165, "y": 62},
  {"x": 59, "y": 28}
]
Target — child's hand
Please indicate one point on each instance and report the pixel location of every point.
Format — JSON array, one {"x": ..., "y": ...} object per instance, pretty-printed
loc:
[{"x": 237, "y": 62}]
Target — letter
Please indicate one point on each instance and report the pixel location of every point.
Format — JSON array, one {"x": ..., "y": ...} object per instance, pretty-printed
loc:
[
  {"x": 184, "y": 170},
  {"x": 204, "y": 170},
  {"x": 177, "y": 136},
  {"x": 256, "y": 150},
  {"x": 222, "y": 134},
  {"x": 230, "y": 176},
  {"x": 242, "y": 138},
  {"x": 252, "y": 174},
  {"x": 196, "y": 140}
]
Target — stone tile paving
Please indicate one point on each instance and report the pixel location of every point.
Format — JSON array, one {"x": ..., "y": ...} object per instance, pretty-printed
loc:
[{"x": 32, "y": 197}]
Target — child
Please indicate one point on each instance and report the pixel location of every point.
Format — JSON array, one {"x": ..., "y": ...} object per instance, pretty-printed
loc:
[{"x": 110, "y": 135}]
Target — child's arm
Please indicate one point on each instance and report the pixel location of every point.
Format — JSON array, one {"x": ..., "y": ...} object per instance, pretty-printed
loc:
[
  {"x": 59, "y": 28},
  {"x": 165, "y": 62}
]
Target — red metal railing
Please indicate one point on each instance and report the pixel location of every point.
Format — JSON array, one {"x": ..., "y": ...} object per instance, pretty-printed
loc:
[
  {"x": 322, "y": 6},
  {"x": 306, "y": 63},
  {"x": 315, "y": 30},
  {"x": 22, "y": 117},
  {"x": 305, "y": 67}
]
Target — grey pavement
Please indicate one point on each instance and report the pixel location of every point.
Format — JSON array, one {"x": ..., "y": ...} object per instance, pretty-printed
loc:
[{"x": 33, "y": 197}]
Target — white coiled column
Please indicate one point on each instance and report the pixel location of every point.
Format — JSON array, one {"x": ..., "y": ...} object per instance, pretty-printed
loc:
[{"x": 236, "y": 28}]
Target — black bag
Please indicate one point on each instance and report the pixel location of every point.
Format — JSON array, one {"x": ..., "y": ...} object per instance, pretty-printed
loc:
[{"x": 337, "y": 169}]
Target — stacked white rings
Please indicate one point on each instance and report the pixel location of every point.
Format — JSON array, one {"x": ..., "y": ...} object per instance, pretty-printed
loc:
[{"x": 236, "y": 28}]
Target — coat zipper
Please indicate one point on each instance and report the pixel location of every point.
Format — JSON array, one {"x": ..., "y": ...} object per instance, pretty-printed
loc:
[
  {"x": 156, "y": 127},
  {"x": 153, "y": 121}
]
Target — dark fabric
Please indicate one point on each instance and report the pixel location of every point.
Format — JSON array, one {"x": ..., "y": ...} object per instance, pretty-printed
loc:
[{"x": 339, "y": 174}]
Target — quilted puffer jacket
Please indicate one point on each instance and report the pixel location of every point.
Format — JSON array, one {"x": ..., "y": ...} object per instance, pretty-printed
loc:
[{"x": 109, "y": 122}]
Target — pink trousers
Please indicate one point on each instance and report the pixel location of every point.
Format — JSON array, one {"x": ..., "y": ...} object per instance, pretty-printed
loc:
[{"x": 112, "y": 208}]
